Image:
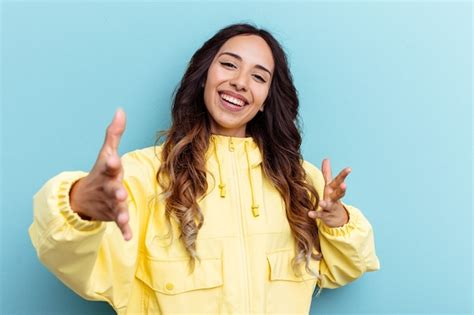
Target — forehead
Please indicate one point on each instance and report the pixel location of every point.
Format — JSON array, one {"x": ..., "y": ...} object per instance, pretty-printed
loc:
[{"x": 252, "y": 48}]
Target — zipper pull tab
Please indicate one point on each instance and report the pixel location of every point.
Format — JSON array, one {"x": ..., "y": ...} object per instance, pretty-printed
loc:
[{"x": 231, "y": 145}]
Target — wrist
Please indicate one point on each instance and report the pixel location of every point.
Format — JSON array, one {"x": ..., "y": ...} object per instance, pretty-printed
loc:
[
  {"x": 347, "y": 216},
  {"x": 74, "y": 202},
  {"x": 344, "y": 215}
]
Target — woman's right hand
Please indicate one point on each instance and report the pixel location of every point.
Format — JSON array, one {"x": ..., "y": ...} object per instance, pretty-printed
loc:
[{"x": 101, "y": 195}]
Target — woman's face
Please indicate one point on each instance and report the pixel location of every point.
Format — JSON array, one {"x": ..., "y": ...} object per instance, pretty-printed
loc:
[{"x": 237, "y": 83}]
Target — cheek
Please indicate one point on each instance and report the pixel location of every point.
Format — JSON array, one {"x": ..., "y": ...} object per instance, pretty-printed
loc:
[
  {"x": 261, "y": 94},
  {"x": 215, "y": 75}
]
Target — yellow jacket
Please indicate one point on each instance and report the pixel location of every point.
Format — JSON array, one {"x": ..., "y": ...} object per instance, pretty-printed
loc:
[{"x": 245, "y": 250}]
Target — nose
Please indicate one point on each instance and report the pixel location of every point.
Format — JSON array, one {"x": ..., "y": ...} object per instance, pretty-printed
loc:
[{"x": 239, "y": 81}]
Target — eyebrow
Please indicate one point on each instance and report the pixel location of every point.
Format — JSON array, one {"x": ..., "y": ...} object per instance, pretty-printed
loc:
[{"x": 240, "y": 58}]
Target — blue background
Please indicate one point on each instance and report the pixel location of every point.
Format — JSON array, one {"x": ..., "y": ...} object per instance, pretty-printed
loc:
[{"x": 385, "y": 88}]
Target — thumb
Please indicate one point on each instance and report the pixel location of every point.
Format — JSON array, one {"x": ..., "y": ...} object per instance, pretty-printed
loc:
[
  {"x": 113, "y": 165},
  {"x": 114, "y": 132}
]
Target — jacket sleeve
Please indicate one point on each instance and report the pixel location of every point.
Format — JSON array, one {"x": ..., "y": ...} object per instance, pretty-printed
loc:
[
  {"x": 348, "y": 251},
  {"x": 90, "y": 257}
]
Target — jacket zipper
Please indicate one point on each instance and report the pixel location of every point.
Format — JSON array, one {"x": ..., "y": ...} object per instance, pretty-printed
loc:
[{"x": 242, "y": 238}]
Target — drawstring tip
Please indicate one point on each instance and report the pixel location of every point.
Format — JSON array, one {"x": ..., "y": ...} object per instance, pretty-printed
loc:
[
  {"x": 255, "y": 211},
  {"x": 222, "y": 190}
]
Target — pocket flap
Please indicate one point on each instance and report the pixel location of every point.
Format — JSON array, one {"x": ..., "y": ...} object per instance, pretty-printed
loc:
[
  {"x": 173, "y": 276},
  {"x": 281, "y": 268}
]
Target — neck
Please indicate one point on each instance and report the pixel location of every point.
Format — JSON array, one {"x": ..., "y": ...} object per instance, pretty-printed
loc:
[{"x": 221, "y": 131}]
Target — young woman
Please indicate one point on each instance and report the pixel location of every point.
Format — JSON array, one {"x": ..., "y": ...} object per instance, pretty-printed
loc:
[{"x": 224, "y": 217}]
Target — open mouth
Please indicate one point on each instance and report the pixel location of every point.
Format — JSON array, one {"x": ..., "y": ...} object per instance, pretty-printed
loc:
[{"x": 232, "y": 101}]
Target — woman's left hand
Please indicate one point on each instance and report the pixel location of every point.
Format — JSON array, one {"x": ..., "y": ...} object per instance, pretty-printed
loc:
[{"x": 333, "y": 213}]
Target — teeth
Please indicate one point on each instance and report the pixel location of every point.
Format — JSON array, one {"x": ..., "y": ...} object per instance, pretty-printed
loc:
[{"x": 233, "y": 100}]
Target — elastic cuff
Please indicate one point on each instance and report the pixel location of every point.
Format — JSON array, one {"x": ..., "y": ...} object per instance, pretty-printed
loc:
[
  {"x": 344, "y": 230},
  {"x": 71, "y": 217}
]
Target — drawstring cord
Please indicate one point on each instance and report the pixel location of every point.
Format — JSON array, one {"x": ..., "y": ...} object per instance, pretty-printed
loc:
[
  {"x": 221, "y": 183},
  {"x": 255, "y": 206},
  {"x": 222, "y": 187}
]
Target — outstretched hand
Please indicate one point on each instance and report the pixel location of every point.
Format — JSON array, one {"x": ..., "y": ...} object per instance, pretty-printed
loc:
[
  {"x": 333, "y": 213},
  {"x": 101, "y": 195}
]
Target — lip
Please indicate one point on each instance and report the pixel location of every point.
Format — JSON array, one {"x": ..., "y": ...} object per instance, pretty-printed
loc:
[
  {"x": 229, "y": 107},
  {"x": 233, "y": 94}
]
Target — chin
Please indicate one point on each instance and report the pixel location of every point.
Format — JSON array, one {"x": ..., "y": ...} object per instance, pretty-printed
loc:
[{"x": 229, "y": 124}]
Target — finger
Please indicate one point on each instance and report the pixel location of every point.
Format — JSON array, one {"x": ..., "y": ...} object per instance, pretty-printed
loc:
[
  {"x": 326, "y": 169},
  {"x": 341, "y": 177},
  {"x": 316, "y": 214},
  {"x": 126, "y": 231},
  {"x": 121, "y": 194},
  {"x": 338, "y": 193},
  {"x": 326, "y": 205},
  {"x": 323, "y": 204},
  {"x": 116, "y": 192},
  {"x": 122, "y": 222},
  {"x": 121, "y": 213},
  {"x": 114, "y": 132},
  {"x": 113, "y": 166}
]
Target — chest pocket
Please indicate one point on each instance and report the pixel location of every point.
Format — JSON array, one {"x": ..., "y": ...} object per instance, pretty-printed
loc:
[
  {"x": 169, "y": 287},
  {"x": 287, "y": 292}
]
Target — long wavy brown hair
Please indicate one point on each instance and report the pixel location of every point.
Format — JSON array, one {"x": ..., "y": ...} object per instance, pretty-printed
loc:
[{"x": 182, "y": 173}]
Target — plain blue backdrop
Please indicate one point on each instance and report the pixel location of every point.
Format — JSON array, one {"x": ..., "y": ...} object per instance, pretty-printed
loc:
[{"x": 385, "y": 88}]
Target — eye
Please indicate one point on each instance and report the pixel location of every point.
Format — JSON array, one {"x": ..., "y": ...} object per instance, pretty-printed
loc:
[
  {"x": 227, "y": 64},
  {"x": 260, "y": 78},
  {"x": 230, "y": 65}
]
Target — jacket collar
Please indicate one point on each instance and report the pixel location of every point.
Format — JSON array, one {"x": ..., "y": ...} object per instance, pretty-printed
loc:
[
  {"x": 247, "y": 146},
  {"x": 235, "y": 144}
]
